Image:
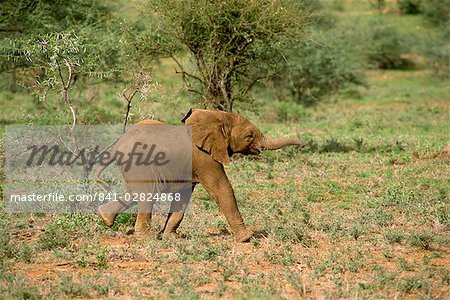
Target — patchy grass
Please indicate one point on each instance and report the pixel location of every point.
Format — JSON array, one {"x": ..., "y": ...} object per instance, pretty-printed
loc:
[{"x": 363, "y": 210}]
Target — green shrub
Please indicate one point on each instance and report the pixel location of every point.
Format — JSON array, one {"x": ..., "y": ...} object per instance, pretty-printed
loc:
[
  {"x": 386, "y": 47},
  {"x": 439, "y": 57},
  {"x": 436, "y": 48},
  {"x": 378, "y": 4},
  {"x": 437, "y": 11},
  {"x": 287, "y": 111},
  {"x": 318, "y": 69},
  {"x": 410, "y": 7}
]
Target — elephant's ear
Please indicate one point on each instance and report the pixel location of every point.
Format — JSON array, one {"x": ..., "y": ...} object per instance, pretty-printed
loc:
[{"x": 210, "y": 132}]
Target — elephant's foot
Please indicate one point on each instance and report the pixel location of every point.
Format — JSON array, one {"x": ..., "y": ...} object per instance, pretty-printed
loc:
[
  {"x": 143, "y": 223},
  {"x": 108, "y": 218},
  {"x": 170, "y": 235},
  {"x": 142, "y": 229},
  {"x": 243, "y": 235},
  {"x": 145, "y": 235}
]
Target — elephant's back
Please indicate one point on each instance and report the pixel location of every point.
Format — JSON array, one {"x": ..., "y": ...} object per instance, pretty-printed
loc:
[{"x": 149, "y": 122}]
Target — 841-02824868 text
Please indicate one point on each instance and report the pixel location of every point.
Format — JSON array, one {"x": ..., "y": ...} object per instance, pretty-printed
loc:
[{"x": 100, "y": 197}]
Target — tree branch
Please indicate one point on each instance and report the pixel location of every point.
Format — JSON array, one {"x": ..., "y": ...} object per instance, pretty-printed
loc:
[
  {"x": 184, "y": 73},
  {"x": 18, "y": 30},
  {"x": 129, "y": 99},
  {"x": 65, "y": 94}
]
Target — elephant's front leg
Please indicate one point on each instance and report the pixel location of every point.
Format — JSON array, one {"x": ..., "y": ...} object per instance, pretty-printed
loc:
[
  {"x": 176, "y": 212},
  {"x": 216, "y": 183}
]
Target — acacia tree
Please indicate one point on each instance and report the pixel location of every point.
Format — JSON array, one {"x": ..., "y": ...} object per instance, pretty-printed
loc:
[
  {"x": 225, "y": 40},
  {"x": 60, "y": 43},
  {"x": 25, "y": 22}
]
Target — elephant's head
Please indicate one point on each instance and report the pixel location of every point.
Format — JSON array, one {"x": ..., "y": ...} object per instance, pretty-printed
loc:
[{"x": 221, "y": 134}]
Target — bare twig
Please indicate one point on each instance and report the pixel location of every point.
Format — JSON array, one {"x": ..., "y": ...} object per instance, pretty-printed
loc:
[
  {"x": 65, "y": 91},
  {"x": 252, "y": 83},
  {"x": 195, "y": 91},
  {"x": 67, "y": 146},
  {"x": 129, "y": 99},
  {"x": 11, "y": 30},
  {"x": 184, "y": 73}
]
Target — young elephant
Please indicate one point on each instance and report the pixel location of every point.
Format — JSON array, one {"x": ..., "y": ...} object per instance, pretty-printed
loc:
[{"x": 216, "y": 136}]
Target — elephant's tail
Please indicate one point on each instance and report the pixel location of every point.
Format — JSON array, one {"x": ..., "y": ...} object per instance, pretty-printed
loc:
[{"x": 101, "y": 169}]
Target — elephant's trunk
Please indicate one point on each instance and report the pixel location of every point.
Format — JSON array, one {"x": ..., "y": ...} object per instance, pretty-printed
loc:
[{"x": 274, "y": 144}]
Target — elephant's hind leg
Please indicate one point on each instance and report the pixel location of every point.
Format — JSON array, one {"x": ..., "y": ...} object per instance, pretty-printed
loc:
[
  {"x": 109, "y": 211},
  {"x": 176, "y": 213},
  {"x": 142, "y": 194},
  {"x": 144, "y": 215}
]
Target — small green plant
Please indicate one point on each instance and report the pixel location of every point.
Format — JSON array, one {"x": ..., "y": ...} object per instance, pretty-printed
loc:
[
  {"x": 359, "y": 141},
  {"x": 20, "y": 287},
  {"x": 296, "y": 281},
  {"x": 82, "y": 261},
  {"x": 381, "y": 217},
  {"x": 412, "y": 283},
  {"x": 445, "y": 275},
  {"x": 211, "y": 253},
  {"x": 427, "y": 259},
  {"x": 229, "y": 268},
  {"x": 125, "y": 219},
  {"x": 25, "y": 253},
  {"x": 71, "y": 288},
  {"x": 282, "y": 256},
  {"x": 394, "y": 237},
  {"x": 287, "y": 111},
  {"x": 388, "y": 254},
  {"x": 422, "y": 240},
  {"x": 55, "y": 236},
  {"x": 103, "y": 288},
  {"x": 101, "y": 258},
  {"x": 405, "y": 265},
  {"x": 334, "y": 145},
  {"x": 386, "y": 277},
  {"x": 297, "y": 234},
  {"x": 357, "y": 230},
  {"x": 6, "y": 249}
]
